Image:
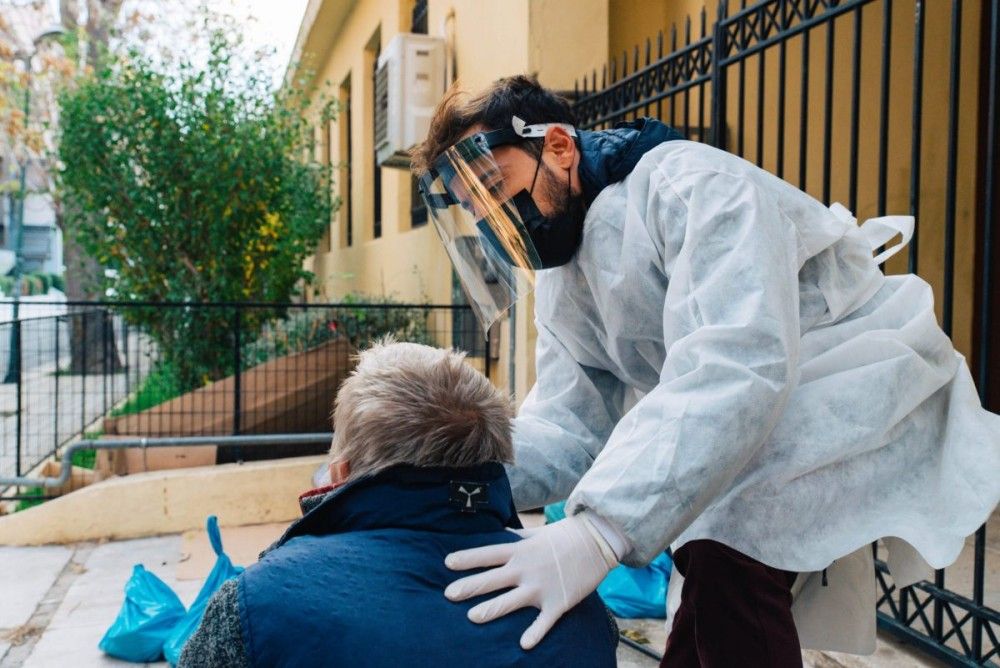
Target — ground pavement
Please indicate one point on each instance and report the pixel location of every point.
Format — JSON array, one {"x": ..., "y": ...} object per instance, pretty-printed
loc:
[{"x": 58, "y": 601}]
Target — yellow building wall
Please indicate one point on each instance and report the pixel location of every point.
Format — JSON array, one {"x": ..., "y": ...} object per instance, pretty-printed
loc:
[
  {"x": 560, "y": 40},
  {"x": 404, "y": 263},
  {"x": 551, "y": 38}
]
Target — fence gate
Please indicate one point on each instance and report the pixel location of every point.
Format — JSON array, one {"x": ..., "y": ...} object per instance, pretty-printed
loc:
[{"x": 887, "y": 106}]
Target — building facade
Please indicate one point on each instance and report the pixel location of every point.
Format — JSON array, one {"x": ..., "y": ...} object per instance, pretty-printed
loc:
[{"x": 379, "y": 242}]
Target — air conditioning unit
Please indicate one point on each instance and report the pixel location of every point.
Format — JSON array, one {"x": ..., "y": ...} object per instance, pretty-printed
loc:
[{"x": 409, "y": 82}]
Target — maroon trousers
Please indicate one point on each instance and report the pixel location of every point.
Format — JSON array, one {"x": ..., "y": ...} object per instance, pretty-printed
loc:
[{"x": 734, "y": 611}]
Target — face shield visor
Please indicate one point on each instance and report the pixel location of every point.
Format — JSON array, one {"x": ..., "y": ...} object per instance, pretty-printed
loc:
[{"x": 482, "y": 231}]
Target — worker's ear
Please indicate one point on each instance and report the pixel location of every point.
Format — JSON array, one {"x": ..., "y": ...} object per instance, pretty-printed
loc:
[
  {"x": 339, "y": 471},
  {"x": 561, "y": 147}
]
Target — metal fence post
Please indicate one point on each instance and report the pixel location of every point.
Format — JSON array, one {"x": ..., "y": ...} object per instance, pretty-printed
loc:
[
  {"x": 128, "y": 362},
  {"x": 83, "y": 371},
  {"x": 989, "y": 225},
  {"x": 719, "y": 78},
  {"x": 486, "y": 355},
  {"x": 237, "y": 371},
  {"x": 55, "y": 403},
  {"x": 17, "y": 380},
  {"x": 104, "y": 359}
]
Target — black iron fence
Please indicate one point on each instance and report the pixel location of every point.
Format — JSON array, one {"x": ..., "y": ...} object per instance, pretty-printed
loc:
[
  {"x": 887, "y": 106},
  {"x": 166, "y": 369}
]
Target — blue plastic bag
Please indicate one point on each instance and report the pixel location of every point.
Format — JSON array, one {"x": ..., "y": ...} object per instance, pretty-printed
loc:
[
  {"x": 555, "y": 512},
  {"x": 630, "y": 592},
  {"x": 638, "y": 592},
  {"x": 222, "y": 571},
  {"x": 148, "y": 616}
]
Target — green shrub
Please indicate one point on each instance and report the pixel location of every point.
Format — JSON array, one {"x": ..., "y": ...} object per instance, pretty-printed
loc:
[
  {"x": 24, "y": 504},
  {"x": 162, "y": 384},
  {"x": 190, "y": 183},
  {"x": 84, "y": 458},
  {"x": 360, "y": 325}
]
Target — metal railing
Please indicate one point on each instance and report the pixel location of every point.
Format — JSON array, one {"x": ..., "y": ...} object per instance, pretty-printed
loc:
[
  {"x": 866, "y": 101},
  {"x": 118, "y": 370}
]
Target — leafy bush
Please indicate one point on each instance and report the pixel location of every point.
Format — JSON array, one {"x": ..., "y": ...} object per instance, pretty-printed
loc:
[
  {"x": 191, "y": 183},
  {"x": 24, "y": 504},
  {"x": 360, "y": 320},
  {"x": 84, "y": 458},
  {"x": 162, "y": 384},
  {"x": 361, "y": 325}
]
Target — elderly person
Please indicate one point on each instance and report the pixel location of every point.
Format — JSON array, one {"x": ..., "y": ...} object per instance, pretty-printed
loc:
[{"x": 417, "y": 471}]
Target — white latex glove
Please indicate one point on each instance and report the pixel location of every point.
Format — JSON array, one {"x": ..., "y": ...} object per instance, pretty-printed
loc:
[{"x": 552, "y": 569}]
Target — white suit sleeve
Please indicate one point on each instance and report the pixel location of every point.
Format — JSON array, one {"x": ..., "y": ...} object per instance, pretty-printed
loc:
[
  {"x": 731, "y": 332},
  {"x": 562, "y": 424}
]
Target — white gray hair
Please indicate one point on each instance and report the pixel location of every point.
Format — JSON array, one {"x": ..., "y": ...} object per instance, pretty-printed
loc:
[{"x": 407, "y": 403}]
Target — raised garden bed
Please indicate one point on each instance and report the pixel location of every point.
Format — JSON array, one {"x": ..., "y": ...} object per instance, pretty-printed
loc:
[{"x": 290, "y": 394}]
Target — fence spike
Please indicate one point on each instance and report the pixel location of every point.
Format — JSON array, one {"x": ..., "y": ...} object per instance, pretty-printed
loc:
[
  {"x": 673, "y": 37},
  {"x": 687, "y": 30},
  {"x": 635, "y": 59},
  {"x": 625, "y": 63},
  {"x": 649, "y": 51},
  {"x": 704, "y": 18},
  {"x": 659, "y": 45},
  {"x": 614, "y": 69},
  {"x": 576, "y": 89},
  {"x": 593, "y": 80},
  {"x": 604, "y": 76}
]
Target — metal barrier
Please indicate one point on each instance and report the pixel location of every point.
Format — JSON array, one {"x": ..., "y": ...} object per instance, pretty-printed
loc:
[
  {"x": 867, "y": 101},
  {"x": 322, "y": 439},
  {"x": 153, "y": 370}
]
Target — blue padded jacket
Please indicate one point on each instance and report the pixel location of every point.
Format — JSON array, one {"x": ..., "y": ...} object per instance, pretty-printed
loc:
[{"x": 360, "y": 579}]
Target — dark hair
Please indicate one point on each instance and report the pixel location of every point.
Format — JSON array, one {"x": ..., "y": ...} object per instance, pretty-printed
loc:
[{"x": 492, "y": 108}]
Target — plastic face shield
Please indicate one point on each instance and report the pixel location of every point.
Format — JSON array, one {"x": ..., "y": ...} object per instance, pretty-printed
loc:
[{"x": 481, "y": 229}]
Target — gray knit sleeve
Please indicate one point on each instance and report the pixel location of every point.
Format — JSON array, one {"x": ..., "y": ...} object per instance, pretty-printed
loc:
[{"x": 218, "y": 642}]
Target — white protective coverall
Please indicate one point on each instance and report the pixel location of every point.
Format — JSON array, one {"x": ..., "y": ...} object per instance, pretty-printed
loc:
[{"x": 722, "y": 359}]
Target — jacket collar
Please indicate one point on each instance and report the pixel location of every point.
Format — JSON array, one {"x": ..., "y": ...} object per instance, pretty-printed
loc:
[
  {"x": 608, "y": 156},
  {"x": 462, "y": 500}
]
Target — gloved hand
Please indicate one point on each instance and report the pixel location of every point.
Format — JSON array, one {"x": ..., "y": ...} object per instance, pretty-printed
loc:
[{"x": 552, "y": 569}]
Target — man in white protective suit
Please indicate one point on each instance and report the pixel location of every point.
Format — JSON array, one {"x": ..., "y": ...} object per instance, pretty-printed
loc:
[{"x": 721, "y": 368}]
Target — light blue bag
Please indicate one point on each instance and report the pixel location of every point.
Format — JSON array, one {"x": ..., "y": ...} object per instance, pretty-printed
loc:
[
  {"x": 148, "y": 616},
  {"x": 638, "y": 592},
  {"x": 222, "y": 571},
  {"x": 630, "y": 592}
]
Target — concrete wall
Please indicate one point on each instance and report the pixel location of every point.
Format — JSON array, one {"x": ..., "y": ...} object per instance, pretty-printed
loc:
[{"x": 162, "y": 502}]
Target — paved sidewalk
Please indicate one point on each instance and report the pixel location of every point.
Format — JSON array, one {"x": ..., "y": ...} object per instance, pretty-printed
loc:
[
  {"x": 83, "y": 585},
  {"x": 59, "y": 601}
]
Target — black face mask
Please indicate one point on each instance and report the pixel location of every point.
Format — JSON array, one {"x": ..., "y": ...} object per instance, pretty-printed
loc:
[{"x": 556, "y": 237}]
